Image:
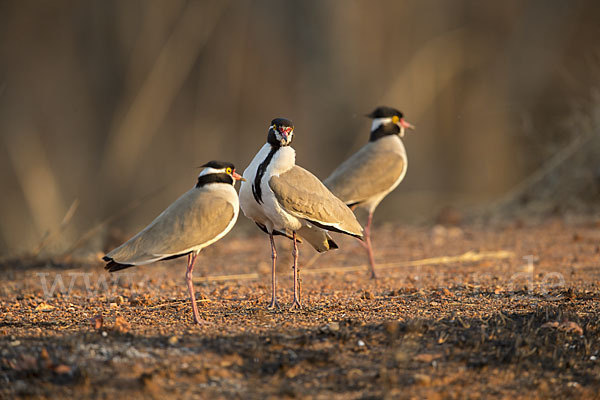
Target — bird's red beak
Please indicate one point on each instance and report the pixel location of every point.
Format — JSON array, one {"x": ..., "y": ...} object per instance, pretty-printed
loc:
[
  {"x": 405, "y": 124},
  {"x": 238, "y": 177}
]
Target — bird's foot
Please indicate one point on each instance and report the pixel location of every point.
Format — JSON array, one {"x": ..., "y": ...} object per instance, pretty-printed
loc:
[
  {"x": 274, "y": 305},
  {"x": 296, "y": 305},
  {"x": 199, "y": 321}
]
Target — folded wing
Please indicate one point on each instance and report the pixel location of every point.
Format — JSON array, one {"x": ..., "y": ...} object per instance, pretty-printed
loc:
[
  {"x": 369, "y": 172},
  {"x": 194, "y": 220},
  {"x": 302, "y": 195}
]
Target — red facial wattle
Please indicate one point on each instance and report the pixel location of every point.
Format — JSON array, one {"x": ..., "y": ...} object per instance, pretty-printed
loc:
[{"x": 285, "y": 131}]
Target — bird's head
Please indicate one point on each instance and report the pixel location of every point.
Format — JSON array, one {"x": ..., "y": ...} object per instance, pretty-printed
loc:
[
  {"x": 387, "y": 121},
  {"x": 281, "y": 132},
  {"x": 218, "y": 172}
]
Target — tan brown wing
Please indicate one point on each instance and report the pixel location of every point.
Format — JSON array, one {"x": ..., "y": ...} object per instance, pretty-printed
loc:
[
  {"x": 301, "y": 194},
  {"x": 194, "y": 219},
  {"x": 370, "y": 171}
]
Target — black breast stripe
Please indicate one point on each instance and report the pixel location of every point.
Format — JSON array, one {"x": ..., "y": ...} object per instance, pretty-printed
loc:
[{"x": 260, "y": 172}]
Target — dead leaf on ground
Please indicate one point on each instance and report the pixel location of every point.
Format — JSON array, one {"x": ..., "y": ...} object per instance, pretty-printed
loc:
[
  {"x": 62, "y": 369},
  {"x": 44, "y": 307},
  {"x": 570, "y": 326},
  {"x": 97, "y": 322},
  {"x": 26, "y": 363},
  {"x": 567, "y": 326},
  {"x": 121, "y": 325},
  {"x": 426, "y": 358},
  {"x": 551, "y": 324},
  {"x": 44, "y": 354}
]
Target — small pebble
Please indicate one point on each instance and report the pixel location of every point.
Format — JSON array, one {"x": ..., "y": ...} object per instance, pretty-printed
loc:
[
  {"x": 422, "y": 379},
  {"x": 62, "y": 369},
  {"x": 354, "y": 374},
  {"x": 391, "y": 327},
  {"x": 333, "y": 326}
]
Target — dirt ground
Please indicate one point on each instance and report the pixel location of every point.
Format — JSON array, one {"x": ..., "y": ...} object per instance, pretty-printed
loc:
[{"x": 515, "y": 314}]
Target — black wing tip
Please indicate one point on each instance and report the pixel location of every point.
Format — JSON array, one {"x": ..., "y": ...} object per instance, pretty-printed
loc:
[
  {"x": 359, "y": 236},
  {"x": 334, "y": 229},
  {"x": 113, "y": 266}
]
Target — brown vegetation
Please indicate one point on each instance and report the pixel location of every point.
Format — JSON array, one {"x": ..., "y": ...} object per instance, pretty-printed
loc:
[{"x": 102, "y": 105}]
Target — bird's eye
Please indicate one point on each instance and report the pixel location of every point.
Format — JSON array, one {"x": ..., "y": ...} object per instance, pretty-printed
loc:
[
  {"x": 229, "y": 171},
  {"x": 274, "y": 127},
  {"x": 395, "y": 119}
]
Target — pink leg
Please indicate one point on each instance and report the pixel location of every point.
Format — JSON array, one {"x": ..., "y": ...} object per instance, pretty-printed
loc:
[
  {"x": 190, "y": 284},
  {"x": 274, "y": 303},
  {"x": 296, "y": 304},
  {"x": 369, "y": 247},
  {"x": 362, "y": 243}
]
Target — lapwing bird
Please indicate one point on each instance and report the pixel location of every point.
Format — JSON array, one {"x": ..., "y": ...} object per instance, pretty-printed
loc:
[
  {"x": 285, "y": 199},
  {"x": 200, "y": 217},
  {"x": 364, "y": 179}
]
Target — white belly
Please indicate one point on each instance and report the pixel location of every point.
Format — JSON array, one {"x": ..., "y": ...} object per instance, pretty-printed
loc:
[{"x": 268, "y": 213}]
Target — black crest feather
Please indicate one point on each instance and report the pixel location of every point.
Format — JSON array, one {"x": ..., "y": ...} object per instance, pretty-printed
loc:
[
  {"x": 282, "y": 122},
  {"x": 384, "y": 112},
  {"x": 218, "y": 165}
]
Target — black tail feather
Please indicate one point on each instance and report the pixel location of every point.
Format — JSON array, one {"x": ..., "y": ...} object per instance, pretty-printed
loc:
[{"x": 332, "y": 244}]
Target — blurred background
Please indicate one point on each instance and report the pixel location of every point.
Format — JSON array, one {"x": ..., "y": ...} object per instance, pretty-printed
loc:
[{"x": 108, "y": 107}]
